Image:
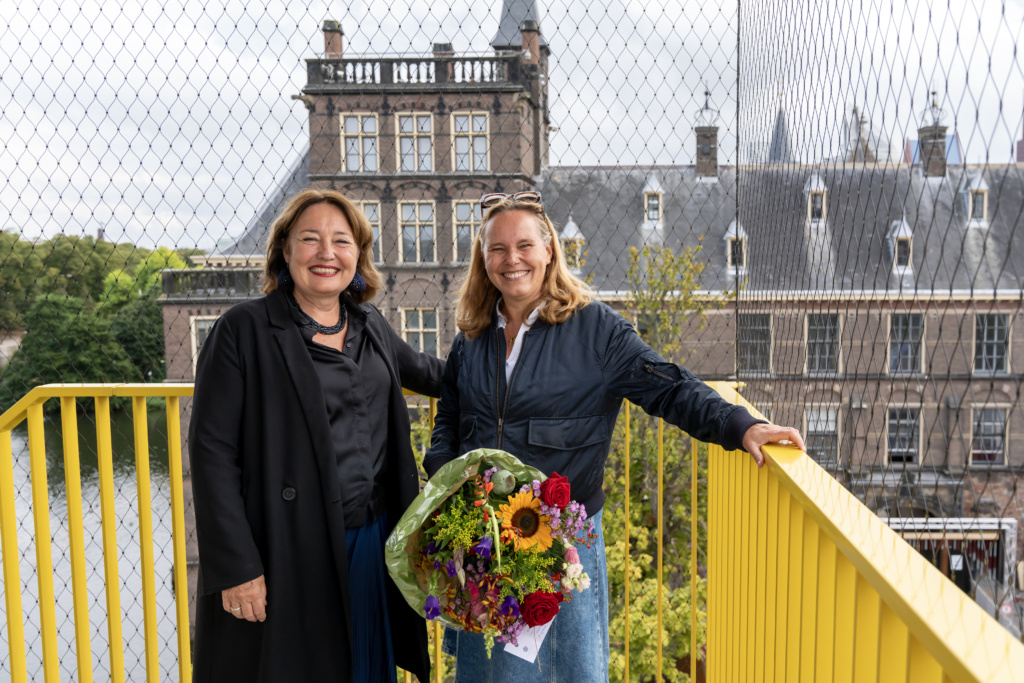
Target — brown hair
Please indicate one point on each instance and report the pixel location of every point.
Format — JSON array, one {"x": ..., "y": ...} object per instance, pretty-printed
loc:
[
  {"x": 562, "y": 292},
  {"x": 289, "y": 216}
]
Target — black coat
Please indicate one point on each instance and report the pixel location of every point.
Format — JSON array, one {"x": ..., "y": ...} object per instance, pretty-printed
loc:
[{"x": 268, "y": 500}]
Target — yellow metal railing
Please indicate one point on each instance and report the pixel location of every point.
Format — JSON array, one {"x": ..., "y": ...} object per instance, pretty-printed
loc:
[{"x": 805, "y": 582}]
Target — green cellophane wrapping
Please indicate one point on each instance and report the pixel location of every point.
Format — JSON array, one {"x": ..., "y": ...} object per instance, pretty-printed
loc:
[{"x": 401, "y": 552}]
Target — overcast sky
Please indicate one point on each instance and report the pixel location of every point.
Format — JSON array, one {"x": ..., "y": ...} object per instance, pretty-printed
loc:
[{"x": 169, "y": 121}]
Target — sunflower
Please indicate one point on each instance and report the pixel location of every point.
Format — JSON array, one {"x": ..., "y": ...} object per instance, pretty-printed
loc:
[{"x": 523, "y": 519}]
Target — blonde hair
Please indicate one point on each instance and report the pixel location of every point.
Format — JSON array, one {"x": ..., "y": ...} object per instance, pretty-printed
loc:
[
  {"x": 282, "y": 227},
  {"x": 562, "y": 293}
]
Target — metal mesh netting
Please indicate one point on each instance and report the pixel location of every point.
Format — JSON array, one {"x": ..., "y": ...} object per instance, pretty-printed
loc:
[{"x": 819, "y": 201}]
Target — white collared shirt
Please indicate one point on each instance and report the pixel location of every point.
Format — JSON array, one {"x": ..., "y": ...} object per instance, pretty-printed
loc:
[{"x": 517, "y": 345}]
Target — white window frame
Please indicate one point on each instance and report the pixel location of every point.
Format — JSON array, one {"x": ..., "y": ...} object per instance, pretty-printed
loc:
[
  {"x": 421, "y": 329},
  {"x": 838, "y": 342},
  {"x": 917, "y": 447},
  {"x": 375, "y": 227},
  {"x": 415, "y": 136},
  {"x": 810, "y": 204},
  {"x": 474, "y": 228},
  {"x": 193, "y": 333},
  {"x": 771, "y": 344},
  {"x": 360, "y": 137},
  {"x": 728, "y": 252},
  {"x": 419, "y": 231},
  {"x": 1006, "y": 434},
  {"x": 824, "y": 407},
  {"x": 471, "y": 136},
  {"x": 659, "y": 198},
  {"x": 1006, "y": 346},
  {"x": 972, "y": 198},
  {"x": 920, "y": 345},
  {"x": 896, "y": 253}
]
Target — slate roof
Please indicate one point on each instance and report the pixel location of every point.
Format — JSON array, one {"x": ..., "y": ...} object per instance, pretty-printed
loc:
[
  {"x": 513, "y": 14},
  {"x": 851, "y": 250}
]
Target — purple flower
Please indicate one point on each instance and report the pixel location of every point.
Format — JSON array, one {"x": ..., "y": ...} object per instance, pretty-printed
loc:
[
  {"x": 431, "y": 548},
  {"x": 432, "y": 608},
  {"x": 483, "y": 548},
  {"x": 449, "y": 568},
  {"x": 509, "y": 606}
]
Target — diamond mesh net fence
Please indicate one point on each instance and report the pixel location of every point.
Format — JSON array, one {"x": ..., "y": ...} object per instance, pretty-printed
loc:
[{"x": 819, "y": 201}]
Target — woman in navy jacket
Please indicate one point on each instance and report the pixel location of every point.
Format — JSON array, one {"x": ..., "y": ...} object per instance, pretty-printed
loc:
[
  {"x": 301, "y": 464},
  {"x": 540, "y": 370}
]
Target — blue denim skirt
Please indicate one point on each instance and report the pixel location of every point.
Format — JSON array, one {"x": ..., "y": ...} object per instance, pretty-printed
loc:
[
  {"x": 575, "y": 649},
  {"x": 373, "y": 655}
]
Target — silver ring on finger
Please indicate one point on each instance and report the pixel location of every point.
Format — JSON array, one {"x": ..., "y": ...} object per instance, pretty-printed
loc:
[{"x": 235, "y": 609}]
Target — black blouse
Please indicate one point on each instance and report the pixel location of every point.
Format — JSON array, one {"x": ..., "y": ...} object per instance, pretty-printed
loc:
[{"x": 356, "y": 387}]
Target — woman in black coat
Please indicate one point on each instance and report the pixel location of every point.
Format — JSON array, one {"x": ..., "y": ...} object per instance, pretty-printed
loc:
[{"x": 301, "y": 465}]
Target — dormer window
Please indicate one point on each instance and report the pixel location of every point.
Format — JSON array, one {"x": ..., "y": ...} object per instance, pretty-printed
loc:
[
  {"x": 902, "y": 252},
  {"x": 737, "y": 253},
  {"x": 816, "y": 205},
  {"x": 652, "y": 206},
  {"x": 573, "y": 245},
  {"x": 979, "y": 205}
]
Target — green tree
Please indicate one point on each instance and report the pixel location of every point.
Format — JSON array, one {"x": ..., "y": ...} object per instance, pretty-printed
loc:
[
  {"x": 139, "y": 327},
  {"x": 66, "y": 341},
  {"x": 23, "y": 275},
  {"x": 661, "y": 299}
]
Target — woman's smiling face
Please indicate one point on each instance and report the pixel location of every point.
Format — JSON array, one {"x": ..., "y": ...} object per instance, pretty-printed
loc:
[
  {"x": 321, "y": 252},
  {"x": 515, "y": 257}
]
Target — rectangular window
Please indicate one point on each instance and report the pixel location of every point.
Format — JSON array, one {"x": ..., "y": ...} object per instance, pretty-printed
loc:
[
  {"x": 753, "y": 342},
  {"x": 415, "y": 142},
  {"x": 988, "y": 444},
  {"x": 467, "y": 223},
  {"x": 201, "y": 326},
  {"x": 416, "y": 227},
  {"x": 991, "y": 331},
  {"x": 822, "y": 435},
  {"x": 905, "y": 342},
  {"x": 419, "y": 329},
  {"x": 904, "y": 434},
  {"x": 978, "y": 205},
  {"x": 737, "y": 252},
  {"x": 822, "y": 342},
  {"x": 372, "y": 212},
  {"x": 817, "y": 207},
  {"x": 360, "y": 142},
  {"x": 652, "y": 206},
  {"x": 903, "y": 252},
  {"x": 470, "y": 141}
]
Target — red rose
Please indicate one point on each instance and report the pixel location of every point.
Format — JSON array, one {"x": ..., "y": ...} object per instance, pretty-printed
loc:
[
  {"x": 554, "y": 491},
  {"x": 540, "y": 607}
]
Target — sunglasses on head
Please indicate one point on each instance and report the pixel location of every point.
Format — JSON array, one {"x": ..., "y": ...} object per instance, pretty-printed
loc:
[{"x": 489, "y": 200}]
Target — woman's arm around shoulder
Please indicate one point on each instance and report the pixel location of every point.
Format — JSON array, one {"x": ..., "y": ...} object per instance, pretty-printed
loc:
[
  {"x": 229, "y": 553},
  {"x": 418, "y": 372},
  {"x": 444, "y": 440}
]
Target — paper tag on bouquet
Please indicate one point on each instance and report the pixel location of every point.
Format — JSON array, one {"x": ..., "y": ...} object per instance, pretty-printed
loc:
[{"x": 530, "y": 641}]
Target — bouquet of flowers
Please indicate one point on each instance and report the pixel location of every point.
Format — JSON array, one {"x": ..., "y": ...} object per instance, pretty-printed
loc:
[{"x": 489, "y": 546}]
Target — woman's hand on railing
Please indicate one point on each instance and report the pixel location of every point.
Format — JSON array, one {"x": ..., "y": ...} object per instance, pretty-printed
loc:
[
  {"x": 760, "y": 434},
  {"x": 247, "y": 601}
]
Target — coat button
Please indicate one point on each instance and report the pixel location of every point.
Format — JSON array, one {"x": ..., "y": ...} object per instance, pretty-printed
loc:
[{"x": 288, "y": 493}]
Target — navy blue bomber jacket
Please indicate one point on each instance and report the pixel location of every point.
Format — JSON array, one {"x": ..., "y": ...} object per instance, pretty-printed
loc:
[{"x": 558, "y": 410}]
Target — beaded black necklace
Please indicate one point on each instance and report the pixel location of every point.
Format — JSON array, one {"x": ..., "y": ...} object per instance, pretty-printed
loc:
[{"x": 322, "y": 329}]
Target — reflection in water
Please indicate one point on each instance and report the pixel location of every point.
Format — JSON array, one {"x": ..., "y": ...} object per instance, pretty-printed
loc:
[{"x": 129, "y": 555}]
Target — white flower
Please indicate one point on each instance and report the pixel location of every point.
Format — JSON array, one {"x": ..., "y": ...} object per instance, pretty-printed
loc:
[
  {"x": 583, "y": 583},
  {"x": 572, "y": 571}
]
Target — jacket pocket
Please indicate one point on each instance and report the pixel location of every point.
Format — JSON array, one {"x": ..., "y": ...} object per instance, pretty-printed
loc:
[
  {"x": 467, "y": 428},
  {"x": 568, "y": 433}
]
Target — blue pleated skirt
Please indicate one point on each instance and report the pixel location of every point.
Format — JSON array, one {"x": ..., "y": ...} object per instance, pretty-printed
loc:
[{"x": 372, "y": 651}]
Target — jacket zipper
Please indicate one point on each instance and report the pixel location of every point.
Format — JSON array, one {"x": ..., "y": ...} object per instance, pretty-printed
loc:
[
  {"x": 508, "y": 387},
  {"x": 650, "y": 369}
]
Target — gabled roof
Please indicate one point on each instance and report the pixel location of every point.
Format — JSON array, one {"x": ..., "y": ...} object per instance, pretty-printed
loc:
[
  {"x": 779, "y": 149},
  {"x": 513, "y": 14}
]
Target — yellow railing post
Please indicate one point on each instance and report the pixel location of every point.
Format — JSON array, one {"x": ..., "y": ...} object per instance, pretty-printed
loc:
[
  {"x": 44, "y": 554},
  {"x": 693, "y": 559},
  {"x": 11, "y": 557},
  {"x": 76, "y": 534},
  {"x": 105, "y": 462},
  {"x": 625, "y": 606},
  {"x": 140, "y": 422},
  {"x": 661, "y": 535},
  {"x": 178, "y": 531}
]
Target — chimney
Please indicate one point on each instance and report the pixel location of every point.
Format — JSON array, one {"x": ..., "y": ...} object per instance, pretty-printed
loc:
[
  {"x": 530, "y": 31},
  {"x": 932, "y": 140},
  {"x": 333, "y": 39},
  {"x": 442, "y": 69},
  {"x": 443, "y": 50},
  {"x": 707, "y": 151}
]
